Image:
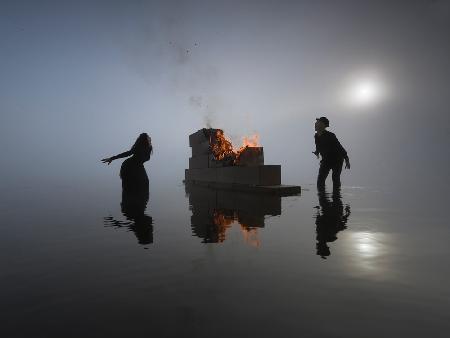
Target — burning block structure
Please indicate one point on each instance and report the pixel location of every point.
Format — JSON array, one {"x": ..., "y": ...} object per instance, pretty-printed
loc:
[{"x": 214, "y": 162}]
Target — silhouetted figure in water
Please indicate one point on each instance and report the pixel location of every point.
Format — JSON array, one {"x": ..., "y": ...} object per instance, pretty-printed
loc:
[
  {"x": 132, "y": 171},
  {"x": 331, "y": 218},
  {"x": 332, "y": 152},
  {"x": 135, "y": 191},
  {"x": 133, "y": 208}
]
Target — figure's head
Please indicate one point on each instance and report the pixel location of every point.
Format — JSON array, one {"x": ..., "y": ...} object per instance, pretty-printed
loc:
[
  {"x": 143, "y": 137},
  {"x": 143, "y": 141},
  {"x": 321, "y": 124}
]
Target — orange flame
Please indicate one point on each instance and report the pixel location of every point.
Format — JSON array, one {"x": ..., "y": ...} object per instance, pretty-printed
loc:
[
  {"x": 250, "y": 141},
  {"x": 222, "y": 147}
]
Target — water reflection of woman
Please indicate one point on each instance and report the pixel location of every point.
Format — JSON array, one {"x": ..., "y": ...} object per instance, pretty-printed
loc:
[
  {"x": 133, "y": 208},
  {"x": 132, "y": 171}
]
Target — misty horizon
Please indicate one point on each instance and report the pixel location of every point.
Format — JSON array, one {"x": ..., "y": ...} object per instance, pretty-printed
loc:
[{"x": 82, "y": 80}]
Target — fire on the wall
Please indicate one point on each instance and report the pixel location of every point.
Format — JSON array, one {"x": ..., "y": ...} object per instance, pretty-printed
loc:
[
  {"x": 223, "y": 153},
  {"x": 223, "y": 150},
  {"x": 215, "y": 160}
]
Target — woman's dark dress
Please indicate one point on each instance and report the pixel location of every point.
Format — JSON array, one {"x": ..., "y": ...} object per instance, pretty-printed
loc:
[{"x": 132, "y": 172}]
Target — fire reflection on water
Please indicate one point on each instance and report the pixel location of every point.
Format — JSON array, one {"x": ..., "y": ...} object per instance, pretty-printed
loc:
[
  {"x": 224, "y": 219},
  {"x": 218, "y": 214}
]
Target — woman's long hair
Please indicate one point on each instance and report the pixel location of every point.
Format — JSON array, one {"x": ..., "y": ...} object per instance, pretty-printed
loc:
[{"x": 142, "y": 144}]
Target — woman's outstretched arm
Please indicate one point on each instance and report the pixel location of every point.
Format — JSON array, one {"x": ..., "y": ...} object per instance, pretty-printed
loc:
[{"x": 121, "y": 155}]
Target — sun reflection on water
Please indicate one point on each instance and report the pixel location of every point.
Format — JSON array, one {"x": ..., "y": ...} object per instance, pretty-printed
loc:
[
  {"x": 368, "y": 250},
  {"x": 366, "y": 244}
]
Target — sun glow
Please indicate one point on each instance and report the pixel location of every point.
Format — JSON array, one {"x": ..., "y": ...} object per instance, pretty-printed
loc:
[{"x": 364, "y": 91}]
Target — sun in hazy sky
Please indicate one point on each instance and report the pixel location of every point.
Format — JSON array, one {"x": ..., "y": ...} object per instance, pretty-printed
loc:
[{"x": 364, "y": 91}]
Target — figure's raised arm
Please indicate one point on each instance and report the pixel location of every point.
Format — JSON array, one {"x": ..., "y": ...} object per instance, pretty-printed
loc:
[{"x": 121, "y": 155}]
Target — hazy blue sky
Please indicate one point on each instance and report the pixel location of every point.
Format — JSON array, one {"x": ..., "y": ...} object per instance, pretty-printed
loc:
[{"x": 81, "y": 79}]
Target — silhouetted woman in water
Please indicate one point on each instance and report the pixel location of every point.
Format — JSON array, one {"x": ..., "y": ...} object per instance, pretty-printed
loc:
[{"x": 132, "y": 172}]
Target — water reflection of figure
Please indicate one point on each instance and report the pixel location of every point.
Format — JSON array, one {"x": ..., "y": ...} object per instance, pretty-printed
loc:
[
  {"x": 133, "y": 208},
  {"x": 331, "y": 218}
]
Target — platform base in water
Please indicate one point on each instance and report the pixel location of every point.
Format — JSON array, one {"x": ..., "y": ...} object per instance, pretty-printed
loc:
[
  {"x": 260, "y": 175},
  {"x": 279, "y": 190}
]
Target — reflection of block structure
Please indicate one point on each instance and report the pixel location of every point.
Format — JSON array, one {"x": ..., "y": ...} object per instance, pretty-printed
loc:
[{"x": 213, "y": 210}]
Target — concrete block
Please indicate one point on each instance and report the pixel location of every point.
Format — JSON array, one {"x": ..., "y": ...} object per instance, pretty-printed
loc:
[
  {"x": 202, "y": 175},
  {"x": 246, "y": 175},
  {"x": 202, "y": 148},
  {"x": 199, "y": 136},
  {"x": 201, "y": 161},
  {"x": 225, "y": 174},
  {"x": 251, "y": 156},
  {"x": 269, "y": 175},
  {"x": 202, "y": 135},
  {"x": 266, "y": 175}
]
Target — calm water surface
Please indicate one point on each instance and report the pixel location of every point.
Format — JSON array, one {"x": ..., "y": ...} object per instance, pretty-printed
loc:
[{"x": 80, "y": 259}]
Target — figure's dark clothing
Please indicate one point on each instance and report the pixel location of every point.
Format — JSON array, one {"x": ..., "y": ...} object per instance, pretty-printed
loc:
[
  {"x": 333, "y": 155},
  {"x": 328, "y": 146},
  {"x": 324, "y": 170},
  {"x": 132, "y": 171}
]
